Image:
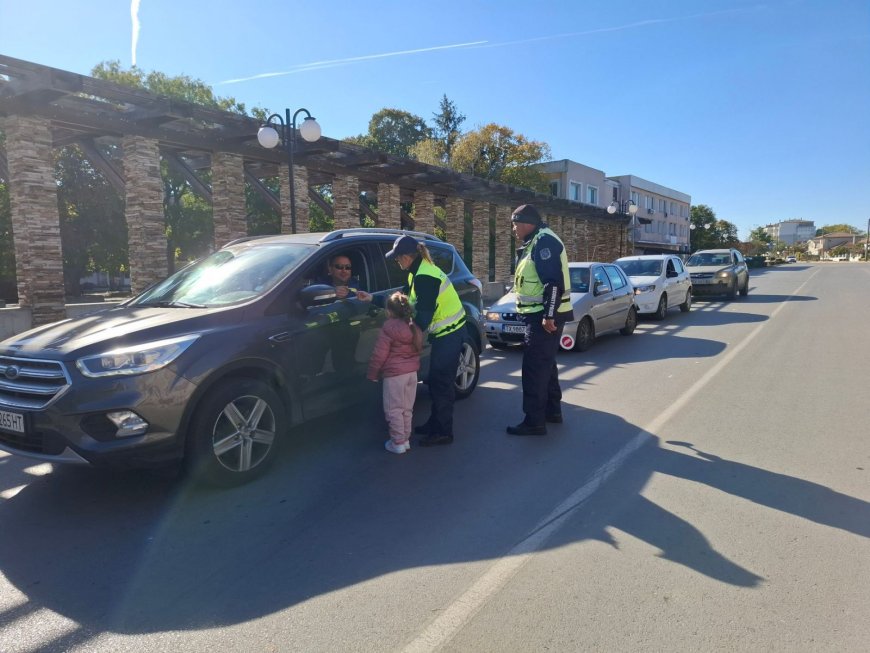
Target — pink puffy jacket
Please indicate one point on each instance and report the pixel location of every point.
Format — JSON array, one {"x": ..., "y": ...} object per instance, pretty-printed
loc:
[{"x": 394, "y": 352}]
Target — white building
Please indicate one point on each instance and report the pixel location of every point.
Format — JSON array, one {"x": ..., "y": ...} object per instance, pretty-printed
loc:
[
  {"x": 791, "y": 231},
  {"x": 662, "y": 219}
]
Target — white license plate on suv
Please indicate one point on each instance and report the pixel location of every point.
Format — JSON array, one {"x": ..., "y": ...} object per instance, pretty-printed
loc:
[
  {"x": 11, "y": 421},
  {"x": 514, "y": 328}
]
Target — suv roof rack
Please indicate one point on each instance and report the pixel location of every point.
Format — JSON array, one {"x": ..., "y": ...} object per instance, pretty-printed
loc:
[{"x": 342, "y": 233}]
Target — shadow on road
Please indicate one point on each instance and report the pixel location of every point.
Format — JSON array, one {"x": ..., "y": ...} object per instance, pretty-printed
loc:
[{"x": 137, "y": 553}]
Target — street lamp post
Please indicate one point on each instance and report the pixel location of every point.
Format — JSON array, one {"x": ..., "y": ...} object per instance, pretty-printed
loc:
[
  {"x": 867, "y": 240},
  {"x": 626, "y": 207},
  {"x": 269, "y": 137}
]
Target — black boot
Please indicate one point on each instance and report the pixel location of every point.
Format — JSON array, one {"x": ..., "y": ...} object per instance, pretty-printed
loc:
[{"x": 527, "y": 429}]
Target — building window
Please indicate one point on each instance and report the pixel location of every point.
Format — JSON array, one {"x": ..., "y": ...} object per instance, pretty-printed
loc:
[
  {"x": 635, "y": 198},
  {"x": 554, "y": 188},
  {"x": 575, "y": 191},
  {"x": 592, "y": 194},
  {"x": 672, "y": 229}
]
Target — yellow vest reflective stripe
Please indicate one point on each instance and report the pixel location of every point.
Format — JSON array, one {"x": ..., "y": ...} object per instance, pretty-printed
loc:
[
  {"x": 449, "y": 311},
  {"x": 527, "y": 284}
]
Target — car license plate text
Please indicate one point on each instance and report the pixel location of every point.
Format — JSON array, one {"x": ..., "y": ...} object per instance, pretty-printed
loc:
[
  {"x": 514, "y": 328},
  {"x": 11, "y": 421}
]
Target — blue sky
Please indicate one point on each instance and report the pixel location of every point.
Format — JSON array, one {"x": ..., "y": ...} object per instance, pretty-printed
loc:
[{"x": 758, "y": 109}]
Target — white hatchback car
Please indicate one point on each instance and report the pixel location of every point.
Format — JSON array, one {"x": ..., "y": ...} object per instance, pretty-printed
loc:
[{"x": 660, "y": 282}]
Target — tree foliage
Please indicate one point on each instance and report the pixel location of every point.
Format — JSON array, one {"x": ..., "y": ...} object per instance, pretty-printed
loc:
[
  {"x": 837, "y": 228},
  {"x": 393, "y": 131},
  {"x": 708, "y": 232},
  {"x": 448, "y": 120},
  {"x": 497, "y": 152}
]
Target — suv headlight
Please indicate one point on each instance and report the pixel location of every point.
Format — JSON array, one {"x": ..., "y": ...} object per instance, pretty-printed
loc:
[
  {"x": 493, "y": 316},
  {"x": 137, "y": 359},
  {"x": 724, "y": 274}
]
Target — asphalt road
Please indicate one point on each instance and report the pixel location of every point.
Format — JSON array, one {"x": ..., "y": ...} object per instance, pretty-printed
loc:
[{"x": 709, "y": 490}]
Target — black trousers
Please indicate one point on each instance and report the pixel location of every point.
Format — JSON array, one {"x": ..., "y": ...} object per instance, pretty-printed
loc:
[
  {"x": 443, "y": 363},
  {"x": 542, "y": 395}
]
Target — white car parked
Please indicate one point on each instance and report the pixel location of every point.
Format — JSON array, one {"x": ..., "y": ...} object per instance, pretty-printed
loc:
[{"x": 660, "y": 282}]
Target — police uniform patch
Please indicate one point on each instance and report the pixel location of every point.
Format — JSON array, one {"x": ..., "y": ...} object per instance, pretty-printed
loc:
[{"x": 545, "y": 253}]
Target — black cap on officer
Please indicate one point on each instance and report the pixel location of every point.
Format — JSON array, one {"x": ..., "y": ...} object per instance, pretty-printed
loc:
[
  {"x": 527, "y": 214},
  {"x": 403, "y": 245}
]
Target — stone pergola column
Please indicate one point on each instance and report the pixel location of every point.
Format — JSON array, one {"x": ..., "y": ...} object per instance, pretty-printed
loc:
[
  {"x": 146, "y": 224},
  {"x": 389, "y": 206},
  {"x": 35, "y": 219},
  {"x": 503, "y": 237},
  {"x": 480, "y": 240},
  {"x": 345, "y": 201},
  {"x": 424, "y": 211},
  {"x": 228, "y": 198},
  {"x": 300, "y": 189},
  {"x": 454, "y": 223}
]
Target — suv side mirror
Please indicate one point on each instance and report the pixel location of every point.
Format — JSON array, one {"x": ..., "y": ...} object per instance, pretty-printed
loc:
[{"x": 317, "y": 294}]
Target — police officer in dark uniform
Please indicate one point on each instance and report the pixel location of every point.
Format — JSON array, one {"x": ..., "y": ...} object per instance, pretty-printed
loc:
[{"x": 543, "y": 291}]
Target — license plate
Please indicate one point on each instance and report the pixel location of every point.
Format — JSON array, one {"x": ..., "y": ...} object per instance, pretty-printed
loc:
[
  {"x": 701, "y": 282},
  {"x": 514, "y": 328},
  {"x": 11, "y": 421}
]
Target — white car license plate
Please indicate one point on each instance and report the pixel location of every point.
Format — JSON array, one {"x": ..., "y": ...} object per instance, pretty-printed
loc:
[
  {"x": 514, "y": 328},
  {"x": 11, "y": 421}
]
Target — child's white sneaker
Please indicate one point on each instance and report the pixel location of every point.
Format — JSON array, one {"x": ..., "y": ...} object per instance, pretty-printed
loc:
[{"x": 392, "y": 447}]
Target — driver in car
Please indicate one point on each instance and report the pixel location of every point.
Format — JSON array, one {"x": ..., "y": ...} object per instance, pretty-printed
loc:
[{"x": 340, "y": 276}]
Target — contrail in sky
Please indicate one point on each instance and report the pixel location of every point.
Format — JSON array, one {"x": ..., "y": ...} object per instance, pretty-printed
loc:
[
  {"x": 316, "y": 65},
  {"x": 332, "y": 63},
  {"x": 134, "y": 16}
]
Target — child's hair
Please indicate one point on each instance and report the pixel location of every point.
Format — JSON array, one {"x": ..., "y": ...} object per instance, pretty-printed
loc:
[{"x": 400, "y": 307}]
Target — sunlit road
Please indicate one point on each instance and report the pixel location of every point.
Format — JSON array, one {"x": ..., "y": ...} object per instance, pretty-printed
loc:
[{"x": 709, "y": 490}]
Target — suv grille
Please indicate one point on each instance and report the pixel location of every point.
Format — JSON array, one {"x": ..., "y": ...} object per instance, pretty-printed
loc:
[
  {"x": 702, "y": 275},
  {"x": 29, "y": 383}
]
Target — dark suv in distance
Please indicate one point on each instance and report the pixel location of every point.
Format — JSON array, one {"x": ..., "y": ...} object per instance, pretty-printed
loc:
[{"x": 214, "y": 363}]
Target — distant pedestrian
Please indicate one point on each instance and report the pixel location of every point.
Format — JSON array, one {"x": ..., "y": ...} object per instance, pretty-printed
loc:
[
  {"x": 396, "y": 358},
  {"x": 543, "y": 291}
]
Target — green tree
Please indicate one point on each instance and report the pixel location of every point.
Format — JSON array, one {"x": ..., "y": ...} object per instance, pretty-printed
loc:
[
  {"x": 448, "y": 120},
  {"x": 760, "y": 235},
  {"x": 837, "y": 228},
  {"x": 393, "y": 131},
  {"x": 708, "y": 232},
  {"x": 497, "y": 152}
]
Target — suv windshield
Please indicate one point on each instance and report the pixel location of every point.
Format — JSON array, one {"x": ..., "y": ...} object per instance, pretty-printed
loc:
[
  {"x": 230, "y": 276},
  {"x": 709, "y": 259},
  {"x": 641, "y": 268}
]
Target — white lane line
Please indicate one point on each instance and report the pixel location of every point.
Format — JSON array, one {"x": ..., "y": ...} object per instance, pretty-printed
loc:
[{"x": 451, "y": 620}]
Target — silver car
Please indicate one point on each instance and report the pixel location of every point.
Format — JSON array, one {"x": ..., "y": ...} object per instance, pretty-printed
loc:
[{"x": 602, "y": 298}]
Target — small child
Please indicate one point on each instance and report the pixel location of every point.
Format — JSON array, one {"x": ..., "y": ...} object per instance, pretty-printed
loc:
[{"x": 396, "y": 358}]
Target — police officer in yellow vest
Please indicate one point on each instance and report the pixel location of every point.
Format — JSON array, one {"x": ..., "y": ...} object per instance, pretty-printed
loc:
[
  {"x": 438, "y": 311},
  {"x": 543, "y": 291}
]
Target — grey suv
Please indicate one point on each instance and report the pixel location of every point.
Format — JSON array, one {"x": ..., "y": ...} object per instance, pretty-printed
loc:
[
  {"x": 214, "y": 363},
  {"x": 718, "y": 272}
]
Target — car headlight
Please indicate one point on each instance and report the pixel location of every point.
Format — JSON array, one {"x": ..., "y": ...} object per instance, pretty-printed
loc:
[
  {"x": 639, "y": 289},
  {"x": 724, "y": 274},
  {"x": 137, "y": 359},
  {"x": 493, "y": 317}
]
